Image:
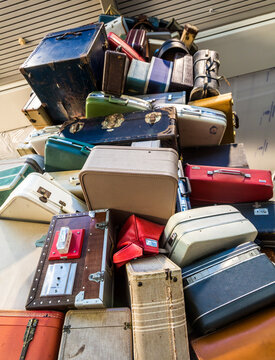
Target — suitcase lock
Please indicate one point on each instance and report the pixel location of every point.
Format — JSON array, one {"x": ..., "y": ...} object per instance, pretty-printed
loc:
[{"x": 45, "y": 194}]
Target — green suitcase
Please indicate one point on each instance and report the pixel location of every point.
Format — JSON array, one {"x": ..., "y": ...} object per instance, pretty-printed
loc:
[{"x": 63, "y": 154}]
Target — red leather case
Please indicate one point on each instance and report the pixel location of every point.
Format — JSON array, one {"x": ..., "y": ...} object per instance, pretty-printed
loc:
[
  {"x": 217, "y": 185},
  {"x": 115, "y": 41}
]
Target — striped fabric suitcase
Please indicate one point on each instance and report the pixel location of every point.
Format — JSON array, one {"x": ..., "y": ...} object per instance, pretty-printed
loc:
[{"x": 137, "y": 39}]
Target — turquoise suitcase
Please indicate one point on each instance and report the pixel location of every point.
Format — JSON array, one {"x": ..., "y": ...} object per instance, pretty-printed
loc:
[{"x": 136, "y": 78}]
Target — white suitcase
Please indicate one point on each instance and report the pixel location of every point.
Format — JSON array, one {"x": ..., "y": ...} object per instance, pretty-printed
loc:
[
  {"x": 19, "y": 257},
  {"x": 199, "y": 126},
  {"x": 117, "y": 26},
  {"x": 68, "y": 180},
  {"x": 165, "y": 99},
  {"x": 38, "y": 138},
  {"x": 197, "y": 233},
  {"x": 38, "y": 199}
]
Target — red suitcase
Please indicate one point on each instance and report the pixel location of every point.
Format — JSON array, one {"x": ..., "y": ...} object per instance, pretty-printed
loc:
[
  {"x": 115, "y": 41},
  {"x": 137, "y": 39},
  {"x": 225, "y": 185}
]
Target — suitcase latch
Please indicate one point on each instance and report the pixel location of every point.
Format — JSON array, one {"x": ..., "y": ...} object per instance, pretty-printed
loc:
[
  {"x": 101, "y": 226},
  {"x": 97, "y": 277},
  {"x": 172, "y": 239},
  {"x": 45, "y": 194},
  {"x": 28, "y": 336}
]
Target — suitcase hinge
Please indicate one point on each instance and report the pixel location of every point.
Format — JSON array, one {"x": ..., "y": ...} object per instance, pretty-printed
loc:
[
  {"x": 127, "y": 325},
  {"x": 97, "y": 277},
  {"x": 66, "y": 329},
  {"x": 168, "y": 274},
  {"x": 101, "y": 226},
  {"x": 28, "y": 336}
]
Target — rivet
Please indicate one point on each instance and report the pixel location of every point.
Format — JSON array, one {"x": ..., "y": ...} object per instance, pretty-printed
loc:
[
  {"x": 30, "y": 297},
  {"x": 139, "y": 283},
  {"x": 50, "y": 301},
  {"x": 89, "y": 250},
  {"x": 41, "y": 302},
  {"x": 175, "y": 279},
  {"x": 33, "y": 289},
  {"x": 78, "y": 232},
  {"x": 53, "y": 252},
  {"x": 83, "y": 287},
  {"x": 58, "y": 301}
]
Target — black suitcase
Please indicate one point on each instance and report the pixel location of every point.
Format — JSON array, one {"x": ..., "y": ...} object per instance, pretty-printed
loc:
[{"x": 226, "y": 286}]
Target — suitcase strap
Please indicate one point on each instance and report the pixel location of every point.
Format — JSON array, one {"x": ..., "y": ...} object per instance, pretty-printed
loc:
[{"x": 28, "y": 337}]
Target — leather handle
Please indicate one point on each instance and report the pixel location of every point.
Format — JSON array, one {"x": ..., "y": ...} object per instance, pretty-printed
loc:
[
  {"x": 229, "y": 172},
  {"x": 119, "y": 101}
]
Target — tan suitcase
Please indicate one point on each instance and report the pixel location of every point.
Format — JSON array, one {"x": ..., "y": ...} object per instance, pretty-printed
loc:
[
  {"x": 97, "y": 334},
  {"x": 138, "y": 180},
  {"x": 158, "y": 311},
  {"x": 36, "y": 113}
]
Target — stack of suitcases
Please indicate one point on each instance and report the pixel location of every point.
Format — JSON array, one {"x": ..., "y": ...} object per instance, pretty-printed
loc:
[{"x": 133, "y": 227}]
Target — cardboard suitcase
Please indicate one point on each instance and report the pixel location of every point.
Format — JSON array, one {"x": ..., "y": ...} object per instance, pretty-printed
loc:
[
  {"x": 142, "y": 181},
  {"x": 36, "y": 113},
  {"x": 250, "y": 338},
  {"x": 80, "y": 274},
  {"x": 69, "y": 180},
  {"x": 67, "y": 62},
  {"x": 13, "y": 171},
  {"x": 196, "y": 233},
  {"x": 100, "y": 104},
  {"x": 115, "y": 41},
  {"x": 38, "y": 199},
  {"x": 18, "y": 261},
  {"x": 227, "y": 286},
  {"x": 159, "y": 76},
  {"x": 211, "y": 184},
  {"x": 30, "y": 335},
  {"x": 123, "y": 129},
  {"x": 97, "y": 334},
  {"x": 158, "y": 311},
  {"x": 38, "y": 138},
  {"x": 136, "y": 77}
]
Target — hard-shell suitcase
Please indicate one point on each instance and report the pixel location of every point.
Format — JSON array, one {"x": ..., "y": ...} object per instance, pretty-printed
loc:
[
  {"x": 158, "y": 311},
  {"x": 139, "y": 180},
  {"x": 154, "y": 45},
  {"x": 115, "y": 70},
  {"x": 122, "y": 129},
  {"x": 222, "y": 103},
  {"x": 247, "y": 339},
  {"x": 30, "y": 335},
  {"x": 13, "y": 171},
  {"x": 25, "y": 149},
  {"x": 227, "y": 286},
  {"x": 162, "y": 35},
  {"x": 118, "y": 26},
  {"x": 19, "y": 258},
  {"x": 211, "y": 184},
  {"x": 193, "y": 234},
  {"x": 106, "y": 18},
  {"x": 137, "y": 39},
  {"x": 230, "y": 155},
  {"x": 38, "y": 139},
  {"x": 38, "y": 199},
  {"x": 36, "y": 113},
  {"x": 65, "y": 67},
  {"x": 82, "y": 276},
  {"x": 100, "y": 104},
  {"x": 68, "y": 180},
  {"x": 136, "y": 77},
  {"x": 115, "y": 41},
  {"x": 199, "y": 126},
  {"x": 170, "y": 48},
  {"x": 182, "y": 75},
  {"x": 188, "y": 35},
  {"x": 158, "y": 77},
  {"x": 100, "y": 334},
  {"x": 183, "y": 192},
  {"x": 165, "y": 99},
  {"x": 65, "y": 154}
]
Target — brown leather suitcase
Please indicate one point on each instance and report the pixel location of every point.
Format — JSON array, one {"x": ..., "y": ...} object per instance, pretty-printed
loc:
[
  {"x": 114, "y": 72},
  {"x": 248, "y": 339},
  {"x": 182, "y": 75},
  {"x": 30, "y": 335},
  {"x": 80, "y": 276}
]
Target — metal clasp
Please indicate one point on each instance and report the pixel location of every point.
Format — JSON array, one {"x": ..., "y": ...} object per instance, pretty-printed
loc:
[{"x": 97, "y": 277}]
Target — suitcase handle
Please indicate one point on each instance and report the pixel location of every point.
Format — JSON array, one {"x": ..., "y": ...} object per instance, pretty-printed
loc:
[
  {"x": 185, "y": 190},
  {"x": 119, "y": 101},
  {"x": 228, "y": 172}
]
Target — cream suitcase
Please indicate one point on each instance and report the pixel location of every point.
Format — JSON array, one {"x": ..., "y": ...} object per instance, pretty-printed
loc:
[
  {"x": 39, "y": 199},
  {"x": 158, "y": 311},
  {"x": 117, "y": 26},
  {"x": 142, "y": 181},
  {"x": 197, "y": 233},
  {"x": 38, "y": 139},
  {"x": 19, "y": 257},
  {"x": 103, "y": 334},
  {"x": 69, "y": 180}
]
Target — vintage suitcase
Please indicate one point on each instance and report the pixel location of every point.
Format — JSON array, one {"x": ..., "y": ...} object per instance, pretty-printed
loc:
[
  {"x": 122, "y": 129},
  {"x": 170, "y": 48},
  {"x": 38, "y": 139},
  {"x": 19, "y": 258},
  {"x": 65, "y": 154},
  {"x": 106, "y": 18},
  {"x": 242, "y": 280},
  {"x": 115, "y": 70},
  {"x": 137, "y": 39},
  {"x": 153, "y": 46},
  {"x": 82, "y": 276},
  {"x": 230, "y": 155},
  {"x": 115, "y": 41},
  {"x": 188, "y": 35},
  {"x": 67, "y": 62},
  {"x": 136, "y": 77},
  {"x": 118, "y": 26},
  {"x": 162, "y": 35},
  {"x": 100, "y": 104},
  {"x": 38, "y": 199},
  {"x": 25, "y": 149},
  {"x": 183, "y": 192},
  {"x": 139, "y": 180},
  {"x": 182, "y": 75},
  {"x": 13, "y": 171},
  {"x": 30, "y": 335},
  {"x": 97, "y": 334},
  {"x": 158, "y": 312},
  {"x": 68, "y": 180},
  {"x": 197, "y": 233},
  {"x": 147, "y": 144},
  {"x": 36, "y": 113},
  {"x": 158, "y": 77},
  {"x": 165, "y": 99},
  {"x": 250, "y": 338},
  {"x": 222, "y": 103},
  {"x": 212, "y": 184},
  {"x": 199, "y": 126}
]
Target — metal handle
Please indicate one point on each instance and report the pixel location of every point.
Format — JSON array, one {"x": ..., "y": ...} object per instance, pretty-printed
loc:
[
  {"x": 228, "y": 172},
  {"x": 119, "y": 101},
  {"x": 66, "y": 35}
]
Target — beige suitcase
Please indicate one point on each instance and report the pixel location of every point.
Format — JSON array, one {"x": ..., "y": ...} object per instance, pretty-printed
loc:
[
  {"x": 69, "y": 180},
  {"x": 36, "y": 113},
  {"x": 19, "y": 257},
  {"x": 103, "y": 334},
  {"x": 142, "y": 181},
  {"x": 158, "y": 311}
]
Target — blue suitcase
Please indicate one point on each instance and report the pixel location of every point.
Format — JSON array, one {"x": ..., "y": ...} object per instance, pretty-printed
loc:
[
  {"x": 65, "y": 67},
  {"x": 159, "y": 76},
  {"x": 226, "y": 286}
]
